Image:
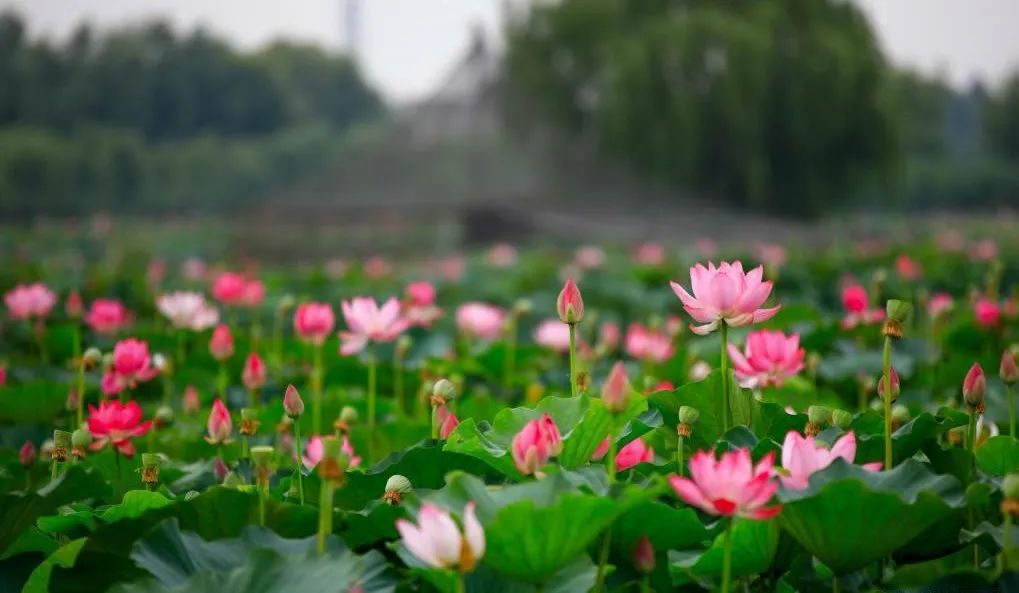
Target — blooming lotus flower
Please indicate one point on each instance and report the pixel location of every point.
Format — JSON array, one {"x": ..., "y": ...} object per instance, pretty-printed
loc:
[
  {"x": 536, "y": 442},
  {"x": 132, "y": 364},
  {"x": 730, "y": 486},
  {"x": 107, "y": 316},
  {"x": 987, "y": 312},
  {"x": 647, "y": 344},
  {"x": 315, "y": 449},
  {"x": 857, "y": 304},
  {"x": 480, "y": 320},
  {"x": 939, "y": 304},
  {"x": 802, "y": 456},
  {"x": 633, "y": 453},
  {"x": 770, "y": 358},
  {"x": 116, "y": 423},
  {"x": 187, "y": 310},
  {"x": 221, "y": 345},
  {"x": 553, "y": 334},
  {"x": 368, "y": 322},
  {"x": 219, "y": 425},
  {"x": 30, "y": 301},
  {"x": 570, "y": 305},
  {"x": 725, "y": 295},
  {"x": 438, "y": 542},
  {"x": 313, "y": 322},
  {"x": 419, "y": 307},
  {"x": 254, "y": 373},
  {"x": 229, "y": 288}
]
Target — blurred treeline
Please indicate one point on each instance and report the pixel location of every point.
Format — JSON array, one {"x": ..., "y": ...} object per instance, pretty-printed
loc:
[
  {"x": 785, "y": 106},
  {"x": 144, "y": 119}
]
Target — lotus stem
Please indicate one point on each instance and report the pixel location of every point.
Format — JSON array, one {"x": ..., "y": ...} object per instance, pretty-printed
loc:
[
  {"x": 727, "y": 557},
  {"x": 603, "y": 558},
  {"x": 509, "y": 361},
  {"x": 887, "y": 377},
  {"x": 79, "y": 376},
  {"x": 727, "y": 417},
  {"x": 325, "y": 514},
  {"x": 679, "y": 456},
  {"x": 1011, "y": 410},
  {"x": 398, "y": 382},
  {"x": 316, "y": 389},
  {"x": 611, "y": 460},
  {"x": 371, "y": 391},
  {"x": 300, "y": 461},
  {"x": 573, "y": 359}
]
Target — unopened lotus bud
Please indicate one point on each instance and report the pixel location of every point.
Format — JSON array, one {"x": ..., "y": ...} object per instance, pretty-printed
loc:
[
  {"x": 895, "y": 383},
  {"x": 27, "y": 454},
  {"x": 841, "y": 418},
  {"x": 396, "y": 487},
  {"x": 293, "y": 405},
  {"x": 569, "y": 304},
  {"x": 220, "y": 469},
  {"x": 522, "y": 307},
  {"x": 92, "y": 357},
  {"x": 974, "y": 387},
  {"x": 1008, "y": 371},
  {"x": 249, "y": 421},
  {"x": 443, "y": 392},
  {"x": 150, "y": 469},
  {"x": 61, "y": 445},
  {"x": 644, "y": 556},
  {"x": 164, "y": 416}
]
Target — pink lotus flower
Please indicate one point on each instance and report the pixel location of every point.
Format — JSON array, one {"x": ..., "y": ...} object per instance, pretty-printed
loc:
[
  {"x": 633, "y": 453},
  {"x": 802, "y": 456},
  {"x": 438, "y": 542},
  {"x": 974, "y": 385},
  {"x": 616, "y": 391},
  {"x": 987, "y": 312},
  {"x": 73, "y": 306},
  {"x": 725, "y": 295},
  {"x": 293, "y": 405},
  {"x": 451, "y": 268},
  {"x": 229, "y": 288},
  {"x": 314, "y": 451},
  {"x": 193, "y": 269},
  {"x": 731, "y": 486},
  {"x": 254, "y": 373},
  {"x": 313, "y": 322},
  {"x": 536, "y": 442},
  {"x": 449, "y": 424},
  {"x": 649, "y": 254},
  {"x": 857, "y": 305},
  {"x": 1008, "y": 370},
  {"x": 502, "y": 255},
  {"x": 647, "y": 344},
  {"x": 30, "y": 301},
  {"x": 116, "y": 423},
  {"x": 376, "y": 266},
  {"x": 770, "y": 358},
  {"x": 192, "y": 402},
  {"x": 187, "y": 310},
  {"x": 132, "y": 364},
  {"x": 939, "y": 304},
  {"x": 254, "y": 293},
  {"x": 107, "y": 316},
  {"x": 368, "y": 322},
  {"x": 221, "y": 345},
  {"x": 908, "y": 268},
  {"x": 419, "y": 307},
  {"x": 570, "y": 305},
  {"x": 27, "y": 454},
  {"x": 589, "y": 257},
  {"x": 480, "y": 320},
  {"x": 771, "y": 254},
  {"x": 983, "y": 250},
  {"x": 553, "y": 334},
  {"x": 219, "y": 425}
]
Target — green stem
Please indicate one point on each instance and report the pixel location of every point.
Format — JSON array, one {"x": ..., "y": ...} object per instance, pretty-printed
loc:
[
  {"x": 277, "y": 341},
  {"x": 971, "y": 438},
  {"x": 316, "y": 389},
  {"x": 1006, "y": 548},
  {"x": 727, "y": 557},
  {"x": 727, "y": 417},
  {"x": 835, "y": 584},
  {"x": 679, "y": 456},
  {"x": 325, "y": 514},
  {"x": 603, "y": 558},
  {"x": 509, "y": 361},
  {"x": 573, "y": 359},
  {"x": 79, "y": 376},
  {"x": 435, "y": 422},
  {"x": 645, "y": 584},
  {"x": 1011, "y": 410},
  {"x": 887, "y": 379},
  {"x": 263, "y": 491},
  {"x": 461, "y": 587},
  {"x": 398, "y": 382},
  {"x": 371, "y": 391},
  {"x": 222, "y": 380},
  {"x": 180, "y": 348},
  {"x": 244, "y": 447},
  {"x": 300, "y": 461},
  {"x": 53, "y": 470},
  {"x": 611, "y": 459}
]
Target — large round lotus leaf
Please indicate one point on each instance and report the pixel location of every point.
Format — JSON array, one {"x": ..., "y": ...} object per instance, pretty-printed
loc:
[{"x": 849, "y": 517}]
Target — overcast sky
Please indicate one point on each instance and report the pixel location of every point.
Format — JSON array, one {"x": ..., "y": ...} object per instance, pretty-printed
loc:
[{"x": 406, "y": 46}]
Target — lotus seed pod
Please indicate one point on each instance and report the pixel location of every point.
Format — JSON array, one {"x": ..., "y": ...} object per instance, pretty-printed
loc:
[
  {"x": 150, "y": 460},
  {"x": 900, "y": 311},
  {"x": 841, "y": 418},
  {"x": 348, "y": 414},
  {"x": 92, "y": 357},
  {"x": 900, "y": 414},
  {"x": 261, "y": 455},
  {"x": 818, "y": 415},
  {"x": 1010, "y": 486},
  {"x": 398, "y": 483},
  {"x": 689, "y": 415},
  {"x": 444, "y": 389},
  {"x": 61, "y": 439},
  {"x": 81, "y": 438}
]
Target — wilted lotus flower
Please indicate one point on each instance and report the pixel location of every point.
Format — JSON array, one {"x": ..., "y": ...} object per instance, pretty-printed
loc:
[
  {"x": 480, "y": 320},
  {"x": 116, "y": 423},
  {"x": 367, "y": 322},
  {"x": 802, "y": 456},
  {"x": 220, "y": 425},
  {"x": 107, "y": 316},
  {"x": 313, "y": 322},
  {"x": 730, "y": 486},
  {"x": 633, "y": 453},
  {"x": 770, "y": 358},
  {"x": 30, "y": 301},
  {"x": 438, "y": 542},
  {"x": 187, "y": 310}
]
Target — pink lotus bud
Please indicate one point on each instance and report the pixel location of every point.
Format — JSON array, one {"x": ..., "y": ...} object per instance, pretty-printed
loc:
[
  {"x": 229, "y": 288},
  {"x": 191, "y": 400},
  {"x": 974, "y": 386},
  {"x": 531, "y": 447},
  {"x": 644, "y": 556},
  {"x": 555, "y": 440},
  {"x": 449, "y": 424},
  {"x": 220, "y": 469},
  {"x": 1008, "y": 371},
  {"x": 107, "y": 316},
  {"x": 313, "y": 322},
  {"x": 895, "y": 384},
  {"x": 987, "y": 312},
  {"x": 293, "y": 405},
  {"x": 73, "y": 306},
  {"x": 72, "y": 400},
  {"x": 616, "y": 391},
  {"x": 27, "y": 454},
  {"x": 3, "y": 375},
  {"x": 570, "y": 305},
  {"x": 603, "y": 448},
  {"x": 221, "y": 346},
  {"x": 254, "y": 372},
  {"x": 219, "y": 425},
  {"x": 633, "y": 453}
]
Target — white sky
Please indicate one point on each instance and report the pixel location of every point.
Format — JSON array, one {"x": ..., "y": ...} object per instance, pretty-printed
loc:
[{"x": 406, "y": 46}]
